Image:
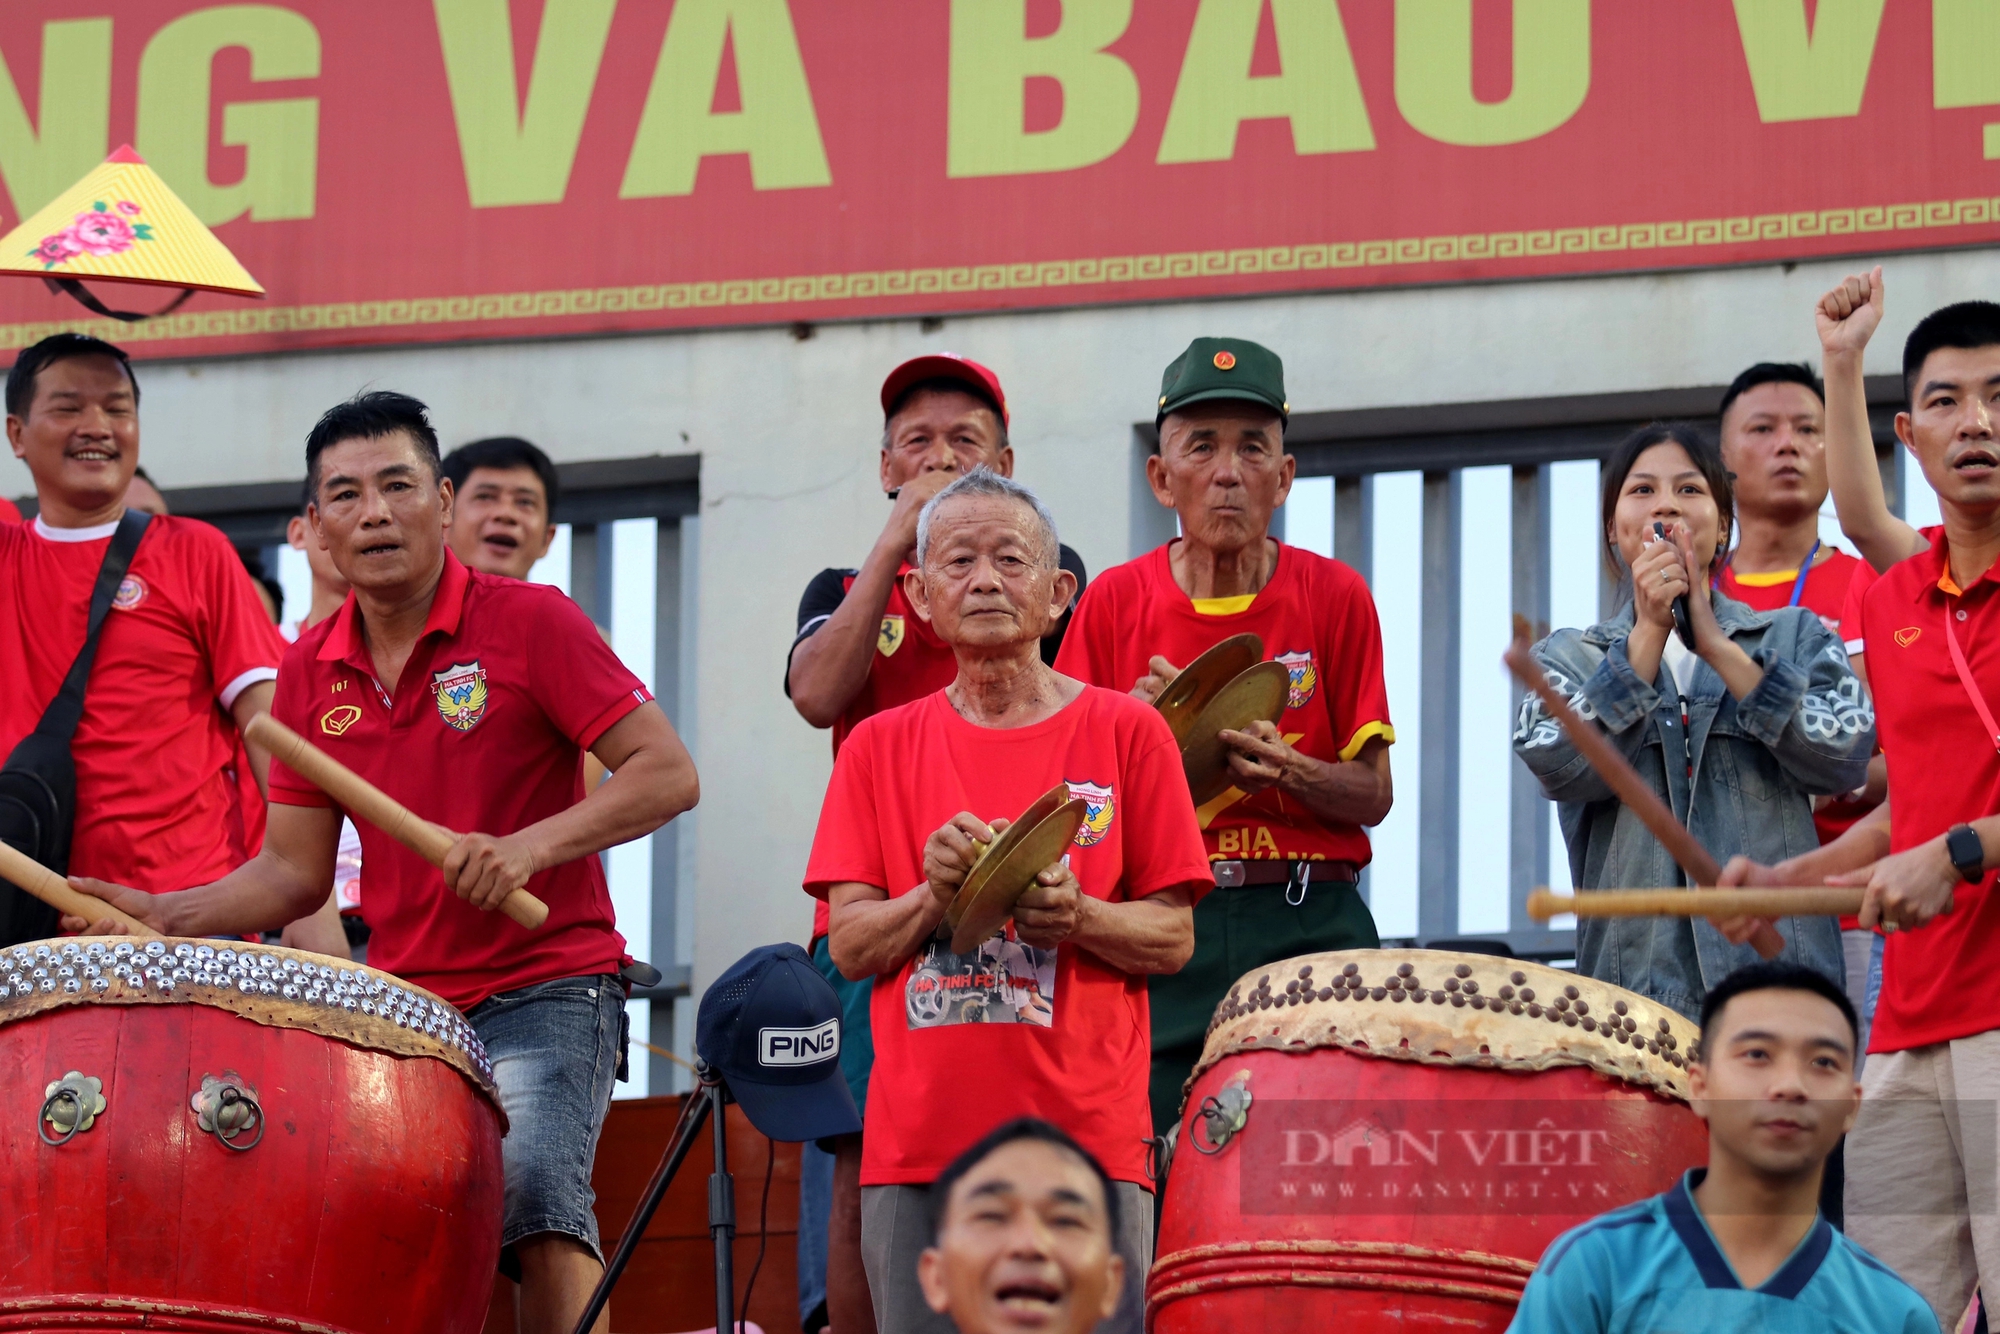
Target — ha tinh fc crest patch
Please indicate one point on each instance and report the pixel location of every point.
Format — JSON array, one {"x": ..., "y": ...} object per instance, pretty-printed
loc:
[
  {"x": 1305, "y": 678},
  {"x": 461, "y": 694}
]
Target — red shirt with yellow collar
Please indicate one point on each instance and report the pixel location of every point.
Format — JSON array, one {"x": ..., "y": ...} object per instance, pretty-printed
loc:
[
  {"x": 507, "y": 687},
  {"x": 1316, "y": 617}
]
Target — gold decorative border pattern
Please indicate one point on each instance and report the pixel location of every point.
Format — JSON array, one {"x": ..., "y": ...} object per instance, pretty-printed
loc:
[{"x": 1310, "y": 257}]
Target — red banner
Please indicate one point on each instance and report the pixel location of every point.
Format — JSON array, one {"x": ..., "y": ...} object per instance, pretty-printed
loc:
[{"x": 393, "y": 170}]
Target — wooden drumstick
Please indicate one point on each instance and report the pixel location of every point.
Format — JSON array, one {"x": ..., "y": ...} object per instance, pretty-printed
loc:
[
  {"x": 1763, "y": 901},
  {"x": 360, "y": 797},
  {"x": 37, "y": 879},
  {"x": 1624, "y": 780}
]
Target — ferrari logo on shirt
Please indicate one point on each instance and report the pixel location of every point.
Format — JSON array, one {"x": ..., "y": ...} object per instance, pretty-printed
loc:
[
  {"x": 1305, "y": 678},
  {"x": 461, "y": 694},
  {"x": 336, "y": 721},
  {"x": 890, "y": 638},
  {"x": 1098, "y": 808}
]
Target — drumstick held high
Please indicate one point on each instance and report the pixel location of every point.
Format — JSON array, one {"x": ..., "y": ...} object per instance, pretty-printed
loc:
[
  {"x": 359, "y": 797},
  {"x": 1631, "y": 789},
  {"x": 52, "y": 889},
  {"x": 1766, "y": 901}
]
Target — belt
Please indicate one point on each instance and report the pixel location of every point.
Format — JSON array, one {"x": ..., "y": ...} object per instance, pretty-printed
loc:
[{"x": 1295, "y": 876}]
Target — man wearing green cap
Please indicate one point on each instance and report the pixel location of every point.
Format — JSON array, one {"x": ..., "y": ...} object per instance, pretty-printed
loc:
[{"x": 1286, "y": 840}]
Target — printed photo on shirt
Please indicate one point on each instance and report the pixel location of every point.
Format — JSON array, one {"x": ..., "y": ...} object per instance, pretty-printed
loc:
[{"x": 1001, "y": 982}]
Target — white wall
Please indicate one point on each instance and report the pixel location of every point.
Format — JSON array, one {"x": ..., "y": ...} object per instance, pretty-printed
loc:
[{"x": 787, "y": 432}]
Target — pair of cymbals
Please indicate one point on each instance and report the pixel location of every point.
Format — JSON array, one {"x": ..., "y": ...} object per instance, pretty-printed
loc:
[
  {"x": 1007, "y": 867},
  {"x": 1224, "y": 690}
]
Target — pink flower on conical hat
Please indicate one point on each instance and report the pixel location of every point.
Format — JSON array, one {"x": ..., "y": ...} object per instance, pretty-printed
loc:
[
  {"x": 57, "y": 249},
  {"x": 102, "y": 233}
]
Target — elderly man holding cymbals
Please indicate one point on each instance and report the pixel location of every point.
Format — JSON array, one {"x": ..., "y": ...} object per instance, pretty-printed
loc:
[
  {"x": 1285, "y": 820},
  {"x": 1049, "y": 1016}
]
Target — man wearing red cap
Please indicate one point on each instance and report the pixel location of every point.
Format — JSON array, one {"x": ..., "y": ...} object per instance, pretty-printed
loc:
[{"x": 860, "y": 649}]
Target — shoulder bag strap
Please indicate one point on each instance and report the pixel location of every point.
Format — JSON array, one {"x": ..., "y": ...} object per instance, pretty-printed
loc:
[
  {"x": 1965, "y": 679},
  {"x": 65, "y": 711}
]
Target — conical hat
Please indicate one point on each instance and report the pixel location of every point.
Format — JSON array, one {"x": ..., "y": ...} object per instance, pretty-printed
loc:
[{"x": 122, "y": 224}]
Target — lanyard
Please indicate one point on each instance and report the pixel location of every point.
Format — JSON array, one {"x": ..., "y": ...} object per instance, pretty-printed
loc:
[
  {"x": 1965, "y": 678},
  {"x": 1799, "y": 585}
]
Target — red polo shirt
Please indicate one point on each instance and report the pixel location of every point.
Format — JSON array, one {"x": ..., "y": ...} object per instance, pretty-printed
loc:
[
  {"x": 965, "y": 1042},
  {"x": 156, "y": 795},
  {"x": 1940, "y": 982},
  {"x": 507, "y": 687},
  {"x": 1315, "y": 616}
]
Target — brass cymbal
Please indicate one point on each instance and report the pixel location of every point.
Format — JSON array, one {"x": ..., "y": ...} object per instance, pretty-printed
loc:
[
  {"x": 1009, "y": 865},
  {"x": 1201, "y": 680},
  {"x": 1257, "y": 693}
]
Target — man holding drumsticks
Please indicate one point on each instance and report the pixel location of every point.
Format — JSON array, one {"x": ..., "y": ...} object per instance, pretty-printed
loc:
[
  {"x": 186, "y": 656},
  {"x": 1923, "y": 1166},
  {"x": 471, "y": 699}
]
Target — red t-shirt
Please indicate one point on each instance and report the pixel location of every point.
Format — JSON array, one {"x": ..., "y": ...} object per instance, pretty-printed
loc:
[
  {"x": 1940, "y": 982},
  {"x": 1825, "y": 594},
  {"x": 1825, "y": 591},
  {"x": 910, "y": 660},
  {"x": 186, "y": 635},
  {"x": 1316, "y": 617},
  {"x": 965, "y": 1042},
  {"x": 508, "y": 686},
  {"x": 9, "y": 511}
]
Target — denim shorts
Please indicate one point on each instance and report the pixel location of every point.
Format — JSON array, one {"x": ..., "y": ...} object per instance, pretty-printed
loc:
[{"x": 554, "y": 1048}]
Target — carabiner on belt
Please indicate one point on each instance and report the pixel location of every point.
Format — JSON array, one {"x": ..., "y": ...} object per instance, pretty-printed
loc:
[{"x": 1301, "y": 877}]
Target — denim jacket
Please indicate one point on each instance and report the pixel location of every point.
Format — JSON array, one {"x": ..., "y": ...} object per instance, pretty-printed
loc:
[{"x": 1806, "y": 729}]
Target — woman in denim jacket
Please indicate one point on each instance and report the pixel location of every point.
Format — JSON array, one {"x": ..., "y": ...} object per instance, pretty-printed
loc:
[{"x": 1737, "y": 736}]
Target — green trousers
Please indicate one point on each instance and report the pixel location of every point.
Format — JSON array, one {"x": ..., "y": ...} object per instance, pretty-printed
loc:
[{"x": 1236, "y": 930}]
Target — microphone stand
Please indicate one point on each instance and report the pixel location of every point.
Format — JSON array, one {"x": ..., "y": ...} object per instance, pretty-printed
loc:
[{"x": 707, "y": 1102}]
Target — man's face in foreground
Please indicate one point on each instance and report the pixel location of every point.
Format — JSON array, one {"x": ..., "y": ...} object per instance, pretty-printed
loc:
[
  {"x": 1775, "y": 1081},
  {"x": 989, "y": 578},
  {"x": 1025, "y": 1246},
  {"x": 1223, "y": 468},
  {"x": 382, "y": 511}
]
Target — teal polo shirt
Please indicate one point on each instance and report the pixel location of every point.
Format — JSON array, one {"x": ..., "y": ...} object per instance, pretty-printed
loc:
[{"x": 1655, "y": 1268}]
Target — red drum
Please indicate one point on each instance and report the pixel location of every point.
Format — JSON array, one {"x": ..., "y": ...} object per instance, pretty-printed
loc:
[
  {"x": 1397, "y": 1135},
  {"x": 200, "y": 1137}
]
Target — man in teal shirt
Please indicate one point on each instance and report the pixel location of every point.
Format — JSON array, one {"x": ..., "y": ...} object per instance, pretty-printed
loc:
[{"x": 1740, "y": 1245}]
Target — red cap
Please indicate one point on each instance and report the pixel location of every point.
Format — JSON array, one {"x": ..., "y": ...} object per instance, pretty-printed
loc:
[{"x": 982, "y": 382}]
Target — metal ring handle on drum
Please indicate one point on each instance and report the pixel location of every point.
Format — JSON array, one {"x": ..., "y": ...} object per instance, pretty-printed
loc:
[
  {"x": 44, "y": 1119},
  {"x": 232, "y": 1096}
]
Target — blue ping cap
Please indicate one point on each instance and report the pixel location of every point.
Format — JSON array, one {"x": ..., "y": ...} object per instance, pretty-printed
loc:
[{"x": 771, "y": 1025}]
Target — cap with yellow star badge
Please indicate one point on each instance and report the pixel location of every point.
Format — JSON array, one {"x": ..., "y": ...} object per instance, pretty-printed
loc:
[{"x": 1220, "y": 368}]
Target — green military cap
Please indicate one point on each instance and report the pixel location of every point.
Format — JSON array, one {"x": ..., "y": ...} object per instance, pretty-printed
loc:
[{"x": 1217, "y": 368}]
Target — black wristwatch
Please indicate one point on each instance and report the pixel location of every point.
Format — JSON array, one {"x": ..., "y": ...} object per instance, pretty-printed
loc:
[{"x": 1967, "y": 853}]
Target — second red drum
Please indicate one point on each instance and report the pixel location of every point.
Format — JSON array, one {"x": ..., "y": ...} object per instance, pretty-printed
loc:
[{"x": 1389, "y": 1139}]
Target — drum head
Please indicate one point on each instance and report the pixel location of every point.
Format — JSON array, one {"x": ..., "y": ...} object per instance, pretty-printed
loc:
[
  {"x": 1009, "y": 866},
  {"x": 1259, "y": 692},
  {"x": 1201, "y": 680}
]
